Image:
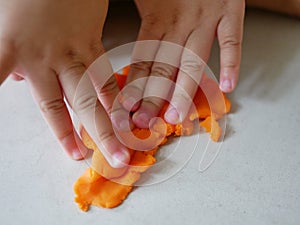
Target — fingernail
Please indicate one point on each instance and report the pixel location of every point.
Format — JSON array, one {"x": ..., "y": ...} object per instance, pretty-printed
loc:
[
  {"x": 120, "y": 158},
  {"x": 76, "y": 154},
  {"x": 142, "y": 120},
  {"x": 129, "y": 103},
  {"x": 124, "y": 125},
  {"x": 172, "y": 116},
  {"x": 226, "y": 85}
]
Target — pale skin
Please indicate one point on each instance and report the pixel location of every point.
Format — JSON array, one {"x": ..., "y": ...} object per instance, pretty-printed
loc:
[
  {"x": 193, "y": 26},
  {"x": 51, "y": 43}
]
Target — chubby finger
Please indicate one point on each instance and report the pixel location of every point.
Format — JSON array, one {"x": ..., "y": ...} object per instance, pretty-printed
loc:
[
  {"x": 82, "y": 97},
  {"x": 230, "y": 34},
  {"x": 194, "y": 56},
  {"x": 107, "y": 89},
  {"x": 143, "y": 55},
  {"x": 142, "y": 59},
  {"x": 165, "y": 66},
  {"x": 109, "y": 96},
  {"x": 48, "y": 95}
]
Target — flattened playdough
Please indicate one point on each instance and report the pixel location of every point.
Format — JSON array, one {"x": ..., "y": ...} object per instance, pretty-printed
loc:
[{"x": 104, "y": 186}]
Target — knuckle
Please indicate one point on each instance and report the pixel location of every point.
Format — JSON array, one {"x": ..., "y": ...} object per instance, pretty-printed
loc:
[
  {"x": 176, "y": 16},
  {"x": 72, "y": 53},
  {"x": 52, "y": 106},
  {"x": 84, "y": 103},
  {"x": 96, "y": 48},
  {"x": 134, "y": 89},
  {"x": 223, "y": 4},
  {"x": 153, "y": 102},
  {"x": 83, "y": 55},
  {"x": 181, "y": 97},
  {"x": 179, "y": 26},
  {"x": 184, "y": 97},
  {"x": 106, "y": 136},
  {"x": 116, "y": 111},
  {"x": 108, "y": 88},
  {"x": 151, "y": 24},
  {"x": 163, "y": 70},
  {"x": 231, "y": 64},
  {"x": 64, "y": 135},
  {"x": 191, "y": 65},
  {"x": 230, "y": 42},
  {"x": 74, "y": 70},
  {"x": 140, "y": 65},
  {"x": 150, "y": 20}
]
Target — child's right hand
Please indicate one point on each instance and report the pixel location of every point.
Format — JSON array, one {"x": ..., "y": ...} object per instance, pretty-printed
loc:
[
  {"x": 51, "y": 44},
  {"x": 182, "y": 34}
]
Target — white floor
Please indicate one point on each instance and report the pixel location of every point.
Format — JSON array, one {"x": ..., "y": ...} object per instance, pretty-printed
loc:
[{"x": 255, "y": 179}]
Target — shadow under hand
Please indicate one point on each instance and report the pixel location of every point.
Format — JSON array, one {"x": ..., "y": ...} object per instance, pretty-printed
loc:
[
  {"x": 270, "y": 44},
  {"x": 270, "y": 60},
  {"x": 268, "y": 66}
]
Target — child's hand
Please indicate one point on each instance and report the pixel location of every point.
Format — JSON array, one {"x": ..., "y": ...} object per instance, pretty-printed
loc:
[
  {"x": 191, "y": 24},
  {"x": 50, "y": 44}
]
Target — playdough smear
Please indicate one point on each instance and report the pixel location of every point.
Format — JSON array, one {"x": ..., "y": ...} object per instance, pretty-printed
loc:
[{"x": 104, "y": 186}]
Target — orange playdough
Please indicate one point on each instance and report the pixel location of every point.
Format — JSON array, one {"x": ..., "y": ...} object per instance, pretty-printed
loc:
[{"x": 104, "y": 186}]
